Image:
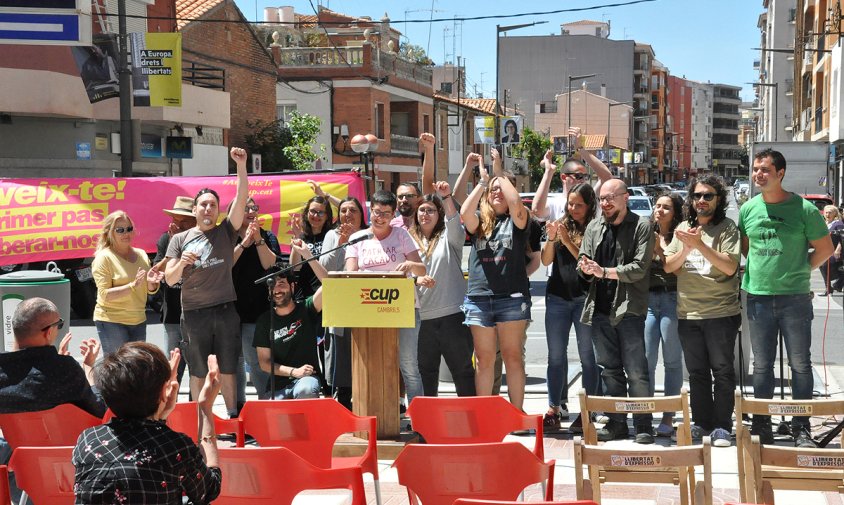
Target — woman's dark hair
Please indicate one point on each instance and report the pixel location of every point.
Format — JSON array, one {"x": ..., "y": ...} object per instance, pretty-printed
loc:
[
  {"x": 357, "y": 204},
  {"x": 677, "y": 207},
  {"x": 511, "y": 122},
  {"x": 132, "y": 378},
  {"x": 206, "y": 190},
  {"x": 416, "y": 228},
  {"x": 384, "y": 197},
  {"x": 573, "y": 228},
  {"x": 720, "y": 188},
  {"x": 309, "y": 233}
]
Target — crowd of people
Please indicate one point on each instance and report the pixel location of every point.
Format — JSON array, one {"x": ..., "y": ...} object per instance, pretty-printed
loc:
[{"x": 627, "y": 285}]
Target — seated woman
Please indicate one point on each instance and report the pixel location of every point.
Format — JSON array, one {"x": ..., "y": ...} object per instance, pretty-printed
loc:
[{"x": 135, "y": 457}]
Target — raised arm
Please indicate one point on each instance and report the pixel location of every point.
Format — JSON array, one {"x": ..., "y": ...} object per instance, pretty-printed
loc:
[
  {"x": 472, "y": 160},
  {"x": 239, "y": 206},
  {"x": 540, "y": 198},
  {"x": 517, "y": 209},
  {"x": 470, "y": 206},
  {"x": 427, "y": 141},
  {"x": 594, "y": 163},
  {"x": 318, "y": 191},
  {"x": 497, "y": 163}
]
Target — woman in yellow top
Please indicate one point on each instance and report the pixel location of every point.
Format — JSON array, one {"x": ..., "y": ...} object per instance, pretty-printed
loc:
[{"x": 124, "y": 278}]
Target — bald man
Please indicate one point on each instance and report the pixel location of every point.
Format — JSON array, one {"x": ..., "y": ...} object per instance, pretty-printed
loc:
[{"x": 615, "y": 257}]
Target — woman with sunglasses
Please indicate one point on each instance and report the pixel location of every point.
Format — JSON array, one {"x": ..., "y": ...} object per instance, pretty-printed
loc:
[
  {"x": 439, "y": 236},
  {"x": 338, "y": 343},
  {"x": 124, "y": 279},
  {"x": 497, "y": 303},
  {"x": 255, "y": 252}
]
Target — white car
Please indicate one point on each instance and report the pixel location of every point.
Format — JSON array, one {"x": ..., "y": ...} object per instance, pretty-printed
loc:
[{"x": 640, "y": 205}]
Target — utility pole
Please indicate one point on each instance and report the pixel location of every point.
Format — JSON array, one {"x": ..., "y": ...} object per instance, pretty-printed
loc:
[{"x": 126, "y": 134}]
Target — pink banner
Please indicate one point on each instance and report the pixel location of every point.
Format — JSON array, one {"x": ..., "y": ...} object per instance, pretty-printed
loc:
[{"x": 51, "y": 219}]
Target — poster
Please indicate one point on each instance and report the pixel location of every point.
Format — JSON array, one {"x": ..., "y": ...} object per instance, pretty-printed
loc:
[
  {"x": 157, "y": 69},
  {"x": 485, "y": 130},
  {"x": 560, "y": 144},
  {"x": 511, "y": 129},
  {"x": 97, "y": 66}
]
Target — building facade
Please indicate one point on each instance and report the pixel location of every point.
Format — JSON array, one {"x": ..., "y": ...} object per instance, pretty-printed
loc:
[{"x": 776, "y": 69}]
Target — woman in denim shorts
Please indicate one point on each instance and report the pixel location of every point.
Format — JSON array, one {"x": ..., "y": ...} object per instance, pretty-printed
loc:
[{"x": 497, "y": 303}]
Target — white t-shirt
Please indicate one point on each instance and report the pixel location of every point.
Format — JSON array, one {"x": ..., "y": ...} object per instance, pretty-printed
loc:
[{"x": 385, "y": 255}]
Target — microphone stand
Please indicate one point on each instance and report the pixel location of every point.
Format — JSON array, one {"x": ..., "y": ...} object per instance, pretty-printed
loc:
[
  {"x": 272, "y": 337},
  {"x": 315, "y": 256}
]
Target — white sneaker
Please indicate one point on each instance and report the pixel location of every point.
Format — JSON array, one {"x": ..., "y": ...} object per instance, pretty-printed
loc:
[{"x": 720, "y": 438}]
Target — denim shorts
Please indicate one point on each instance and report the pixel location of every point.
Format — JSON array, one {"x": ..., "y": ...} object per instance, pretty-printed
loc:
[{"x": 486, "y": 311}]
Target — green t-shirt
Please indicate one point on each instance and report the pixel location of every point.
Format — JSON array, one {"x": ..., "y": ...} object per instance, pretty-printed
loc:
[
  {"x": 703, "y": 291},
  {"x": 778, "y": 235},
  {"x": 294, "y": 339}
]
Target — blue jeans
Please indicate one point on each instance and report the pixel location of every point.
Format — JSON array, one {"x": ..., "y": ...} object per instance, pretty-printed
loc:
[
  {"x": 661, "y": 325},
  {"x": 306, "y": 387},
  {"x": 621, "y": 353},
  {"x": 260, "y": 378},
  {"x": 409, "y": 361},
  {"x": 113, "y": 335},
  {"x": 560, "y": 315},
  {"x": 792, "y": 316}
]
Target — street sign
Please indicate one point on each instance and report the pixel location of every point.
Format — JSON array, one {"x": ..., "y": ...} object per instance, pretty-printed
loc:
[{"x": 45, "y": 22}]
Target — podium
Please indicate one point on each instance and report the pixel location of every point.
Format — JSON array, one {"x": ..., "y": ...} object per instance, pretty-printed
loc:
[{"x": 374, "y": 305}]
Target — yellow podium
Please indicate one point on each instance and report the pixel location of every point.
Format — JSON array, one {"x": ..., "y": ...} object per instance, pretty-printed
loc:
[{"x": 374, "y": 305}]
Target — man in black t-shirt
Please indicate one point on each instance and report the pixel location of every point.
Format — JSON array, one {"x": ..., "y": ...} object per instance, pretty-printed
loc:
[{"x": 285, "y": 336}]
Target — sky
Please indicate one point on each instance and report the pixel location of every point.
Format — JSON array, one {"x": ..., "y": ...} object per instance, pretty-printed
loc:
[{"x": 703, "y": 40}]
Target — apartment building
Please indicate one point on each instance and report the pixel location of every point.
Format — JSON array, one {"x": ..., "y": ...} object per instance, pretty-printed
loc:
[
  {"x": 702, "y": 115},
  {"x": 680, "y": 116},
  {"x": 726, "y": 153},
  {"x": 774, "y": 93}
]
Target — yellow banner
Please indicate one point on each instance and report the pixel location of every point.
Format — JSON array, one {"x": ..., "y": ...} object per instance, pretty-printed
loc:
[
  {"x": 368, "y": 303},
  {"x": 161, "y": 61}
]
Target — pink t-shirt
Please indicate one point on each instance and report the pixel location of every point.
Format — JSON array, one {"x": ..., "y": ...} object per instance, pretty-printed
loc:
[{"x": 375, "y": 255}]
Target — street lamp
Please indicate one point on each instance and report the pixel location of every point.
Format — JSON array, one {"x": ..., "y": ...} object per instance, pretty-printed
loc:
[
  {"x": 609, "y": 108},
  {"x": 366, "y": 145},
  {"x": 776, "y": 102},
  {"x": 574, "y": 78},
  {"x": 498, "y": 31}
]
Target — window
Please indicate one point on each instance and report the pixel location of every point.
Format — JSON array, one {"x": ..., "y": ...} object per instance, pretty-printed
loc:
[
  {"x": 426, "y": 123},
  {"x": 379, "y": 120},
  {"x": 283, "y": 110}
]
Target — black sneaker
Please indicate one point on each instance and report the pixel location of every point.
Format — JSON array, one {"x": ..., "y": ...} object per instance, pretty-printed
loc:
[
  {"x": 644, "y": 435},
  {"x": 551, "y": 422},
  {"x": 564, "y": 412},
  {"x": 761, "y": 426},
  {"x": 804, "y": 440},
  {"x": 576, "y": 425},
  {"x": 613, "y": 430}
]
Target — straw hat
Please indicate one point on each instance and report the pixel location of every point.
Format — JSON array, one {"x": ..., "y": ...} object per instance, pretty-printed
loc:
[{"x": 182, "y": 207}]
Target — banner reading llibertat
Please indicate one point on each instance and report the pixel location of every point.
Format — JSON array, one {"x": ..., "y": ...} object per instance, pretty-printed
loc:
[
  {"x": 157, "y": 69},
  {"x": 51, "y": 219}
]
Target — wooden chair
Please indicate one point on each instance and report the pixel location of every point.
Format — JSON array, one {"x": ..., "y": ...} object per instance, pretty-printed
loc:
[
  {"x": 643, "y": 466},
  {"x": 439, "y": 474},
  {"x": 748, "y": 481},
  {"x": 275, "y": 475},
  {"x": 310, "y": 428},
  {"x": 45, "y": 428},
  {"x": 471, "y": 420},
  {"x": 46, "y": 474}
]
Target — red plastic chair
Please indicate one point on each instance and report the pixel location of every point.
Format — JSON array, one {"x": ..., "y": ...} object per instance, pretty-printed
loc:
[
  {"x": 5, "y": 496},
  {"x": 46, "y": 474},
  {"x": 58, "y": 426},
  {"x": 439, "y": 474},
  {"x": 275, "y": 475},
  {"x": 185, "y": 419},
  {"x": 309, "y": 428},
  {"x": 469, "y": 501},
  {"x": 471, "y": 420}
]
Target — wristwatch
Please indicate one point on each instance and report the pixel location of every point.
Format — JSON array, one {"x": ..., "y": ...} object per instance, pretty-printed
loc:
[{"x": 260, "y": 242}]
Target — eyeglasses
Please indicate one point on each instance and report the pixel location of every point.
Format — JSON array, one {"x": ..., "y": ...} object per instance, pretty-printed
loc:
[
  {"x": 121, "y": 230},
  {"x": 610, "y": 198},
  {"x": 406, "y": 196},
  {"x": 427, "y": 212},
  {"x": 706, "y": 196},
  {"x": 251, "y": 208},
  {"x": 58, "y": 324},
  {"x": 380, "y": 214},
  {"x": 314, "y": 212},
  {"x": 577, "y": 175}
]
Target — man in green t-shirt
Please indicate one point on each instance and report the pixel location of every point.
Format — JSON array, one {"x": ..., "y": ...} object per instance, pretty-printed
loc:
[
  {"x": 285, "y": 335},
  {"x": 778, "y": 229}
]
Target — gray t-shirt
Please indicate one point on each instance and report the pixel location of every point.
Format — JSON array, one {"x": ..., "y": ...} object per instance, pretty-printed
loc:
[
  {"x": 209, "y": 281},
  {"x": 445, "y": 266}
]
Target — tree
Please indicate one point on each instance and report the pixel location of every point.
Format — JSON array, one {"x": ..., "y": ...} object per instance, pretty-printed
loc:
[
  {"x": 532, "y": 147},
  {"x": 304, "y": 129},
  {"x": 414, "y": 53},
  {"x": 268, "y": 139}
]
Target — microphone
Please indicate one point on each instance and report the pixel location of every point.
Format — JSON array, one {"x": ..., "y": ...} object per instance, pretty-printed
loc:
[
  {"x": 363, "y": 237},
  {"x": 278, "y": 270}
]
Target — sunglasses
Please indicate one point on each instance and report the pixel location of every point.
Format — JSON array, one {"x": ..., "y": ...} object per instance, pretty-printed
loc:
[
  {"x": 706, "y": 196},
  {"x": 315, "y": 212},
  {"x": 406, "y": 196},
  {"x": 576, "y": 175},
  {"x": 121, "y": 230},
  {"x": 58, "y": 324},
  {"x": 251, "y": 208}
]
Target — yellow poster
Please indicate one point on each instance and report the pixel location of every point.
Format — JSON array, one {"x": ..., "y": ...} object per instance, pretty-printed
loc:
[
  {"x": 161, "y": 62},
  {"x": 368, "y": 303}
]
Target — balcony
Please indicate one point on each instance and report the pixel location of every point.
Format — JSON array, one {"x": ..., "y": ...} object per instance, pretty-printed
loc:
[
  {"x": 805, "y": 118},
  {"x": 401, "y": 144},
  {"x": 204, "y": 76},
  {"x": 818, "y": 119}
]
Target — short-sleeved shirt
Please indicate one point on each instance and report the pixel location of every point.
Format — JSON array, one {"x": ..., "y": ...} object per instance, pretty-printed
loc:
[
  {"x": 384, "y": 255},
  {"x": 497, "y": 262},
  {"x": 308, "y": 283},
  {"x": 252, "y": 299},
  {"x": 293, "y": 337},
  {"x": 703, "y": 291},
  {"x": 778, "y": 237},
  {"x": 209, "y": 281},
  {"x": 109, "y": 271}
]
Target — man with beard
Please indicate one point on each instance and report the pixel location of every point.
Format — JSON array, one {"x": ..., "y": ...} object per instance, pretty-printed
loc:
[
  {"x": 408, "y": 201},
  {"x": 778, "y": 229},
  {"x": 705, "y": 256},
  {"x": 285, "y": 335},
  {"x": 210, "y": 322},
  {"x": 615, "y": 257}
]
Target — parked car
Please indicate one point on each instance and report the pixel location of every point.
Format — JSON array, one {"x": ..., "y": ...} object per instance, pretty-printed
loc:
[
  {"x": 682, "y": 193},
  {"x": 640, "y": 205},
  {"x": 820, "y": 201}
]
